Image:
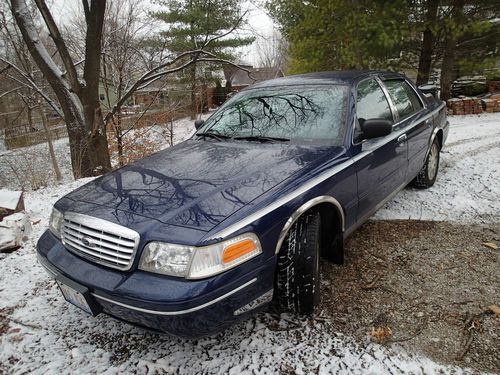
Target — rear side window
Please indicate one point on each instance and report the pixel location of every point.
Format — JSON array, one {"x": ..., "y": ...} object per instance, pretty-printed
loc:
[
  {"x": 403, "y": 97},
  {"x": 371, "y": 102}
]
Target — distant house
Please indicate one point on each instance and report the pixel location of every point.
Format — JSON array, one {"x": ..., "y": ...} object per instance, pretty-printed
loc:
[
  {"x": 155, "y": 93},
  {"x": 239, "y": 78}
]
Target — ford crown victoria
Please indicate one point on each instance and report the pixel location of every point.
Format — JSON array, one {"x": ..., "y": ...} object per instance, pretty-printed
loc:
[{"x": 196, "y": 237}]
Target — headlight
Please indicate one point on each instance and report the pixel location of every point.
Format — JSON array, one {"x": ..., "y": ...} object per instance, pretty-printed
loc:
[
  {"x": 56, "y": 219},
  {"x": 199, "y": 262},
  {"x": 165, "y": 258}
]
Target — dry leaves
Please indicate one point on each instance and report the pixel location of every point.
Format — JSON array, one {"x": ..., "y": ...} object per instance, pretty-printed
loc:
[
  {"x": 490, "y": 245},
  {"x": 381, "y": 334},
  {"x": 494, "y": 309}
]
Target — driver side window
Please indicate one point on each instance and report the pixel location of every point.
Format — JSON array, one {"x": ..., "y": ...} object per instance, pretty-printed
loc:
[{"x": 371, "y": 103}]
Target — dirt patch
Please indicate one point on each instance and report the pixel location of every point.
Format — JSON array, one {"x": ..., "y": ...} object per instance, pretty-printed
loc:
[{"x": 424, "y": 285}]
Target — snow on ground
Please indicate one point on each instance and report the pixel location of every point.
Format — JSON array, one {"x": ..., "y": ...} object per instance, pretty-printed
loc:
[
  {"x": 467, "y": 188},
  {"x": 40, "y": 333}
]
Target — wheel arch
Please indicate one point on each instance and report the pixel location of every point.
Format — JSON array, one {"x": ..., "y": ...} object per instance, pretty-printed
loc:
[
  {"x": 439, "y": 136},
  {"x": 436, "y": 134},
  {"x": 332, "y": 217}
]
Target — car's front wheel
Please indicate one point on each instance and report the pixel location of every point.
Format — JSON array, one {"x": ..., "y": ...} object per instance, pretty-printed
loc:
[
  {"x": 297, "y": 271},
  {"x": 427, "y": 176}
]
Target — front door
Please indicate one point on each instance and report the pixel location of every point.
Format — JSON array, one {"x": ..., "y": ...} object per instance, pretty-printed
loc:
[
  {"x": 381, "y": 163},
  {"x": 412, "y": 115}
]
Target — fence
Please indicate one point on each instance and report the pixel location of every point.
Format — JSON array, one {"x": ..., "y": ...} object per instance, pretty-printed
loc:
[{"x": 34, "y": 137}]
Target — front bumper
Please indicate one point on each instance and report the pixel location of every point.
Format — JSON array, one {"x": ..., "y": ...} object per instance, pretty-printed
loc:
[{"x": 186, "y": 308}]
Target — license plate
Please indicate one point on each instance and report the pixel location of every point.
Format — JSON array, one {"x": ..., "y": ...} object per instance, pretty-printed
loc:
[{"x": 76, "y": 298}]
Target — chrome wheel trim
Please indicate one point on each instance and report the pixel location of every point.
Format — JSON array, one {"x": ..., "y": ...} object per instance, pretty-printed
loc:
[{"x": 432, "y": 163}]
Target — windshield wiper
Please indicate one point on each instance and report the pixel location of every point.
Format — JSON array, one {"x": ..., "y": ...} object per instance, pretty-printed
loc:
[
  {"x": 262, "y": 138},
  {"x": 213, "y": 135}
]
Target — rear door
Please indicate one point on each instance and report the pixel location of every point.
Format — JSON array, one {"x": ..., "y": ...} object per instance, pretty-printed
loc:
[
  {"x": 381, "y": 163},
  {"x": 412, "y": 119}
]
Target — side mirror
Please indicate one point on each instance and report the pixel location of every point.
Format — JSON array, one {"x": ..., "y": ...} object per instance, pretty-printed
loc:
[
  {"x": 375, "y": 128},
  {"x": 198, "y": 123}
]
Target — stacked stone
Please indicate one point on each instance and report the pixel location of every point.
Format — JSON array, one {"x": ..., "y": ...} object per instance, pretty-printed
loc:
[
  {"x": 465, "y": 106},
  {"x": 490, "y": 105}
]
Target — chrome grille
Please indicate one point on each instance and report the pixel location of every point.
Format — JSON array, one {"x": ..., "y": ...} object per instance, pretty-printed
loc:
[{"x": 99, "y": 240}]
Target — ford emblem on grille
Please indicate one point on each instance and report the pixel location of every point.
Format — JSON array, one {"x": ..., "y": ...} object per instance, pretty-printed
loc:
[{"x": 87, "y": 242}]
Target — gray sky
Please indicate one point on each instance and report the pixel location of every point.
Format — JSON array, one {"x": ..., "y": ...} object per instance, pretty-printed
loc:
[{"x": 260, "y": 24}]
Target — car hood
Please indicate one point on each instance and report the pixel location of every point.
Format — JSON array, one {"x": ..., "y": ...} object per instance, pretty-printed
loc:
[{"x": 198, "y": 184}]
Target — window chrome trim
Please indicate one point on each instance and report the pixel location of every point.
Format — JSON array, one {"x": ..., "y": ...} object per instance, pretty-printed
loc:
[
  {"x": 178, "y": 312},
  {"x": 302, "y": 209},
  {"x": 309, "y": 184},
  {"x": 404, "y": 79},
  {"x": 394, "y": 110},
  {"x": 400, "y": 121},
  {"x": 410, "y": 83}
]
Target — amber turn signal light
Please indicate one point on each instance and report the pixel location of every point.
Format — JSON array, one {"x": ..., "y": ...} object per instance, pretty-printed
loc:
[{"x": 238, "y": 249}]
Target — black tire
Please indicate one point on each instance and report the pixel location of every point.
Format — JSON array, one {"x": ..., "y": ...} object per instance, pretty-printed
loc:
[
  {"x": 297, "y": 271},
  {"x": 427, "y": 176}
]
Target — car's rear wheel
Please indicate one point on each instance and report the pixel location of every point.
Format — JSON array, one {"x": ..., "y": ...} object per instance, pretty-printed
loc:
[
  {"x": 297, "y": 271},
  {"x": 427, "y": 176}
]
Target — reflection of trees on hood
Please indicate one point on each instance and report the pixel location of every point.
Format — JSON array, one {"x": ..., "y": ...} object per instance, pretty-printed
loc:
[{"x": 160, "y": 194}]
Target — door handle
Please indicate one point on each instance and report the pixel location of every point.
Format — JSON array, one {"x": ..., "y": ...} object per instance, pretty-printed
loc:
[{"x": 402, "y": 138}]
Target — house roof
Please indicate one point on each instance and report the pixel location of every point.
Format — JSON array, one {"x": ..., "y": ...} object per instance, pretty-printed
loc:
[{"x": 162, "y": 84}]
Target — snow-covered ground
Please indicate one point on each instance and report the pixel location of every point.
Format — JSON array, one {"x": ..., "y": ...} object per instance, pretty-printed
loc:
[
  {"x": 467, "y": 188},
  {"x": 40, "y": 333}
]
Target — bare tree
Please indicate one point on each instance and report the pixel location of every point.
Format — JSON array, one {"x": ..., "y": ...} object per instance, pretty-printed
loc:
[
  {"x": 12, "y": 41},
  {"x": 78, "y": 97},
  {"x": 272, "y": 51},
  {"x": 48, "y": 136}
]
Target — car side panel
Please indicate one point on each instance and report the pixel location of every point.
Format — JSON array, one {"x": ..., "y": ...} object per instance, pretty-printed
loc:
[
  {"x": 380, "y": 170},
  {"x": 418, "y": 132}
]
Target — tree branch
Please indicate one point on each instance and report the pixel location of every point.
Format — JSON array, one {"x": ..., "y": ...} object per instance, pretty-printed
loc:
[
  {"x": 154, "y": 74},
  {"x": 33, "y": 85},
  {"x": 235, "y": 26},
  {"x": 60, "y": 45},
  {"x": 10, "y": 91}
]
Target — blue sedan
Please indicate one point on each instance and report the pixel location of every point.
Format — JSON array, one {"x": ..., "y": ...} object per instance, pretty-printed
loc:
[{"x": 199, "y": 236}]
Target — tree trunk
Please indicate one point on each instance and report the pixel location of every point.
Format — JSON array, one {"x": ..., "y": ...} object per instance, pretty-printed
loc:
[
  {"x": 117, "y": 127},
  {"x": 450, "y": 45},
  {"x": 447, "y": 68},
  {"x": 98, "y": 160},
  {"x": 48, "y": 136},
  {"x": 171, "y": 131},
  {"x": 81, "y": 109},
  {"x": 29, "y": 116},
  {"x": 427, "y": 48},
  {"x": 192, "y": 81}
]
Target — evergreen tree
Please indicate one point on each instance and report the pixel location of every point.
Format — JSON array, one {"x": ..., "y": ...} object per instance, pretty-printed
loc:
[
  {"x": 195, "y": 24},
  {"x": 343, "y": 34},
  {"x": 470, "y": 40}
]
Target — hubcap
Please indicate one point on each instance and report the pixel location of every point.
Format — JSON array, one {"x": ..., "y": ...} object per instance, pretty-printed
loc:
[{"x": 432, "y": 164}]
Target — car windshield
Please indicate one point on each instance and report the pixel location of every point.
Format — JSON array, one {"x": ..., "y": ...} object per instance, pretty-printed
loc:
[{"x": 310, "y": 113}]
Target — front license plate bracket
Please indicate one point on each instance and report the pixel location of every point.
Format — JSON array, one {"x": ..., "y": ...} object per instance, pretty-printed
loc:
[{"x": 78, "y": 295}]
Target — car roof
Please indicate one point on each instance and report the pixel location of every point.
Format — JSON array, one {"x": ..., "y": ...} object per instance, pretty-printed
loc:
[{"x": 348, "y": 77}]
